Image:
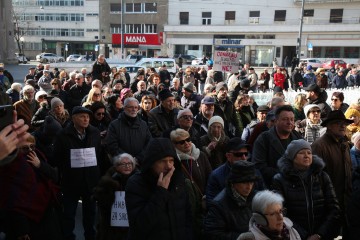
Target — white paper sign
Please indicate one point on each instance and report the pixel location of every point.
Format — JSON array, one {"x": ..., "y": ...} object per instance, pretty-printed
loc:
[
  {"x": 119, "y": 217},
  {"x": 226, "y": 61},
  {"x": 83, "y": 157}
]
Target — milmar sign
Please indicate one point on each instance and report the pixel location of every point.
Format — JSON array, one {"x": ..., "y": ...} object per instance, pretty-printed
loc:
[{"x": 137, "y": 39}]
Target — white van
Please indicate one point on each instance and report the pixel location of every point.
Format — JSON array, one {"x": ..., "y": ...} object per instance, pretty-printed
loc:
[{"x": 159, "y": 62}]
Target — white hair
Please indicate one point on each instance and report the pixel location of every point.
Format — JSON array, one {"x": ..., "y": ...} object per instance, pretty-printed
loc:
[
  {"x": 130, "y": 99},
  {"x": 265, "y": 198},
  {"x": 118, "y": 158}
]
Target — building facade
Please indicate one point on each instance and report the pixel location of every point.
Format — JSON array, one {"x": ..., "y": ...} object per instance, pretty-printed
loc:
[
  {"x": 133, "y": 27},
  {"x": 264, "y": 30},
  {"x": 63, "y": 27},
  {"x": 7, "y": 49}
]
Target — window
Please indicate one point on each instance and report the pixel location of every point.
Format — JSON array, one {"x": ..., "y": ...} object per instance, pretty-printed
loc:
[
  {"x": 184, "y": 18},
  {"x": 230, "y": 15},
  {"x": 280, "y": 15},
  {"x": 115, "y": 8},
  {"x": 137, "y": 7},
  {"x": 115, "y": 28},
  {"x": 336, "y": 15},
  {"x": 308, "y": 12},
  {"x": 150, "y": 7},
  {"x": 206, "y": 18},
  {"x": 254, "y": 17}
]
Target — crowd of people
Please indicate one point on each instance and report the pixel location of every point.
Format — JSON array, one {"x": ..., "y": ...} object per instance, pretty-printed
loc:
[{"x": 188, "y": 157}]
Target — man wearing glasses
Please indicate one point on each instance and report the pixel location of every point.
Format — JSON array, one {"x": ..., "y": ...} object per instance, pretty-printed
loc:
[{"x": 236, "y": 150}]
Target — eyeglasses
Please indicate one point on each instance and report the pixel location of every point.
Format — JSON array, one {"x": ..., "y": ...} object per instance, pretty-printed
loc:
[
  {"x": 78, "y": 78},
  {"x": 97, "y": 94},
  {"x": 27, "y": 148},
  {"x": 127, "y": 165},
  {"x": 187, "y": 117},
  {"x": 239, "y": 154},
  {"x": 54, "y": 84},
  {"x": 315, "y": 111},
  {"x": 281, "y": 212},
  {"x": 100, "y": 114},
  {"x": 183, "y": 141},
  {"x": 42, "y": 96},
  {"x": 334, "y": 99}
]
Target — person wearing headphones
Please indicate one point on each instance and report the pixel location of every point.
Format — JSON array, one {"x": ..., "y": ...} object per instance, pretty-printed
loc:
[{"x": 268, "y": 220}]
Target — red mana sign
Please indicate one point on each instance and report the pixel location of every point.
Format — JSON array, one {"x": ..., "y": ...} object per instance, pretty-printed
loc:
[{"x": 137, "y": 39}]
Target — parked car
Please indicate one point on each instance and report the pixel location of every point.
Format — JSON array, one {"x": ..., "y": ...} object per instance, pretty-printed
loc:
[
  {"x": 82, "y": 58},
  {"x": 49, "y": 57},
  {"x": 159, "y": 62},
  {"x": 131, "y": 69},
  {"x": 73, "y": 57},
  {"x": 135, "y": 57},
  {"x": 315, "y": 63},
  {"x": 331, "y": 63},
  {"x": 21, "y": 58},
  {"x": 187, "y": 59},
  {"x": 197, "y": 61}
]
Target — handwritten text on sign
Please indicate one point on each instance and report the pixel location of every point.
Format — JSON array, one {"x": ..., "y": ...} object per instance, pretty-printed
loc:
[
  {"x": 226, "y": 61},
  {"x": 118, "y": 211},
  {"x": 83, "y": 157}
]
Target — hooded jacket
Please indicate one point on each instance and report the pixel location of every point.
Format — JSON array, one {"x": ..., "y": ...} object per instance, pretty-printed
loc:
[
  {"x": 310, "y": 200},
  {"x": 321, "y": 102},
  {"x": 153, "y": 211}
]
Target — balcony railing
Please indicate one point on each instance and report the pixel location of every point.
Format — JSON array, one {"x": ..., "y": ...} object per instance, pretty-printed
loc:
[{"x": 325, "y": 1}]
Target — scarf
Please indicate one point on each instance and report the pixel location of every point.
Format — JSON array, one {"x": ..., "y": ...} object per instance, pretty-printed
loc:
[
  {"x": 312, "y": 131},
  {"x": 62, "y": 118},
  {"x": 275, "y": 235},
  {"x": 220, "y": 139}
]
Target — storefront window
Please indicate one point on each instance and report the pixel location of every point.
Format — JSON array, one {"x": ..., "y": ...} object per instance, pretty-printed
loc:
[
  {"x": 351, "y": 52},
  {"x": 332, "y": 52},
  {"x": 262, "y": 56}
]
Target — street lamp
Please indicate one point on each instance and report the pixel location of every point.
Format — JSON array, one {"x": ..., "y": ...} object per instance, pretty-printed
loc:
[{"x": 22, "y": 40}]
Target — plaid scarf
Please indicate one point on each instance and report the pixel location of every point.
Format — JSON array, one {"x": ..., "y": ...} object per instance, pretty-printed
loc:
[{"x": 312, "y": 131}]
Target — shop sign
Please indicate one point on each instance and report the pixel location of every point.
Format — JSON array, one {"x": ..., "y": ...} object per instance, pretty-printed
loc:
[
  {"x": 136, "y": 39},
  {"x": 227, "y": 42}
]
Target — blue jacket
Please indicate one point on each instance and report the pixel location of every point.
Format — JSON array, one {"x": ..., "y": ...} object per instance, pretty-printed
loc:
[{"x": 355, "y": 157}]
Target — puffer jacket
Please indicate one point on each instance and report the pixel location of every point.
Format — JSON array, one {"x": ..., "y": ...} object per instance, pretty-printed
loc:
[
  {"x": 227, "y": 217},
  {"x": 310, "y": 200}
]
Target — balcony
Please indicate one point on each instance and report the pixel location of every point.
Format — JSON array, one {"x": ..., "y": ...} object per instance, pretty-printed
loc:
[{"x": 326, "y": 1}]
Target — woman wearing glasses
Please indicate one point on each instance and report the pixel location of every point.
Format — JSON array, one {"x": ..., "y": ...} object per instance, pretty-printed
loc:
[
  {"x": 29, "y": 196},
  {"x": 94, "y": 95},
  {"x": 268, "y": 220},
  {"x": 115, "y": 179},
  {"x": 337, "y": 102},
  {"x": 310, "y": 128},
  {"x": 308, "y": 192}
]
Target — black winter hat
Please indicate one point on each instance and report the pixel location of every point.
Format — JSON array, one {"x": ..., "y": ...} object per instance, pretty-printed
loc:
[
  {"x": 51, "y": 126},
  {"x": 164, "y": 94},
  {"x": 242, "y": 171}
]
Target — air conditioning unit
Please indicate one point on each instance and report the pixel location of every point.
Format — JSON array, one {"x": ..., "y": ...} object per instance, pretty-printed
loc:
[
  {"x": 254, "y": 20},
  {"x": 229, "y": 22},
  {"x": 308, "y": 20}
]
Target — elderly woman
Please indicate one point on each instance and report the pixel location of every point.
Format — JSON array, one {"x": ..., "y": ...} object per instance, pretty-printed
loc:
[
  {"x": 268, "y": 220},
  {"x": 148, "y": 102},
  {"x": 114, "y": 180},
  {"x": 337, "y": 102},
  {"x": 94, "y": 95},
  {"x": 30, "y": 200},
  {"x": 58, "y": 112},
  {"x": 310, "y": 128},
  {"x": 195, "y": 164},
  {"x": 308, "y": 192},
  {"x": 354, "y": 127},
  {"x": 214, "y": 143}
]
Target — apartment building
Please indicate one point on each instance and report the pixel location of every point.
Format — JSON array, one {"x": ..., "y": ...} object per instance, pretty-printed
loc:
[
  {"x": 264, "y": 30},
  {"x": 63, "y": 27}
]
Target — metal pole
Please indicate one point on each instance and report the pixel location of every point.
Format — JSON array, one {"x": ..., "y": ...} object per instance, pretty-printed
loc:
[
  {"x": 122, "y": 29},
  {"x": 298, "y": 46}
]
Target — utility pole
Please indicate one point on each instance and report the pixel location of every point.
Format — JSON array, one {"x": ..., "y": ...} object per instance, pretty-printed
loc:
[
  {"x": 122, "y": 29},
  {"x": 298, "y": 46}
]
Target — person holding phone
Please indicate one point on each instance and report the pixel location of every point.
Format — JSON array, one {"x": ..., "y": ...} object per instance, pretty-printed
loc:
[{"x": 156, "y": 200}]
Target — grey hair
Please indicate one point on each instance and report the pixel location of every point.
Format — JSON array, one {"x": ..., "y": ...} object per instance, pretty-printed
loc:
[
  {"x": 72, "y": 74},
  {"x": 130, "y": 99},
  {"x": 27, "y": 88},
  {"x": 79, "y": 75},
  {"x": 178, "y": 133},
  {"x": 118, "y": 158},
  {"x": 265, "y": 198}
]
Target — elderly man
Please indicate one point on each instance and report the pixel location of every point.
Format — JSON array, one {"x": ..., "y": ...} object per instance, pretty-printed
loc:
[
  {"x": 141, "y": 91},
  {"x": 260, "y": 117},
  {"x": 203, "y": 117},
  {"x": 333, "y": 148},
  {"x": 190, "y": 99},
  {"x": 156, "y": 198},
  {"x": 101, "y": 69},
  {"x": 230, "y": 211},
  {"x": 271, "y": 145},
  {"x": 318, "y": 96},
  {"x": 163, "y": 116},
  {"x": 185, "y": 120},
  {"x": 45, "y": 81},
  {"x": 31, "y": 74},
  {"x": 77, "y": 154},
  {"x": 128, "y": 133},
  {"x": 77, "y": 92},
  {"x": 27, "y": 107},
  {"x": 236, "y": 150}
]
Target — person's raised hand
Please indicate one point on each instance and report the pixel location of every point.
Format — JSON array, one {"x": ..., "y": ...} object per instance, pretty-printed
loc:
[
  {"x": 164, "y": 181},
  {"x": 33, "y": 159}
]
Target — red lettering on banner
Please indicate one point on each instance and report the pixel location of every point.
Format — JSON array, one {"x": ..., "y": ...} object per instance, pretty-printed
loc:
[{"x": 226, "y": 68}]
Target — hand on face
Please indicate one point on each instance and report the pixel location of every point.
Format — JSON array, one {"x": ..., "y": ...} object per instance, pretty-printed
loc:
[{"x": 164, "y": 181}]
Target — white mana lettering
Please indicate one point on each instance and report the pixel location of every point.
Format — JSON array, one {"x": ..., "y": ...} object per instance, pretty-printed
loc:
[{"x": 136, "y": 39}]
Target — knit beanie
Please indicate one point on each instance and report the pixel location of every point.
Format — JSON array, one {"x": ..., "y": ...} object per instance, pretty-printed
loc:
[
  {"x": 183, "y": 112},
  {"x": 216, "y": 119},
  {"x": 352, "y": 112},
  {"x": 308, "y": 107},
  {"x": 55, "y": 102},
  {"x": 295, "y": 146}
]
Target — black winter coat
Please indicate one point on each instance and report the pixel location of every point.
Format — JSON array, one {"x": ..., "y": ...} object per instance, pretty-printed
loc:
[
  {"x": 77, "y": 179},
  {"x": 353, "y": 208},
  {"x": 311, "y": 201},
  {"x": 227, "y": 218}
]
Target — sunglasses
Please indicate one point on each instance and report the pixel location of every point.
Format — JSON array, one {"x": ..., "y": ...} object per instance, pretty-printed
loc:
[
  {"x": 42, "y": 96},
  {"x": 334, "y": 99},
  {"x": 97, "y": 94},
  {"x": 183, "y": 141},
  {"x": 187, "y": 117},
  {"x": 54, "y": 84},
  {"x": 239, "y": 154},
  {"x": 27, "y": 148},
  {"x": 100, "y": 114}
]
